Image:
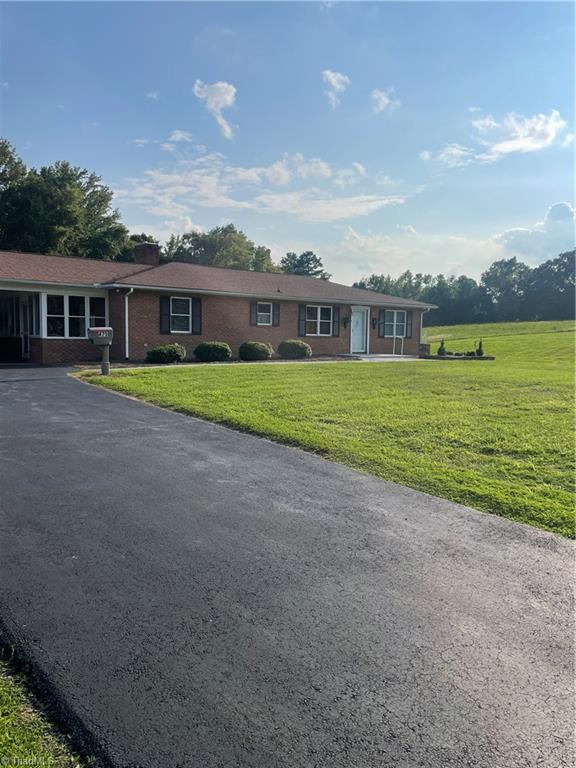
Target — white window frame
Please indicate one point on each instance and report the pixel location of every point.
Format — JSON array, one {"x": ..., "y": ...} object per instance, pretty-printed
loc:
[
  {"x": 66, "y": 296},
  {"x": 63, "y": 316},
  {"x": 318, "y": 307},
  {"x": 180, "y": 314},
  {"x": 67, "y": 315},
  {"x": 258, "y": 313},
  {"x": 395, "y": 323}
]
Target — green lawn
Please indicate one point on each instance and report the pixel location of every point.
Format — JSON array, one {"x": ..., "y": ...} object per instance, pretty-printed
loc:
[
  {"x": 493, "y": 435},
  {"x": 25, "y": 736}
]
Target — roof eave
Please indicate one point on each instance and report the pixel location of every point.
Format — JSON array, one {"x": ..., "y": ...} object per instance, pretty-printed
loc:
[{"x": 272, "y": 296}]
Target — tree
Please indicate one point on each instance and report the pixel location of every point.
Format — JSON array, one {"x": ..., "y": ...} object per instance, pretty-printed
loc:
[
  {"x": 505, "y": 283},
  {"x": 306, "y": 264},
  {"x": 12, "y": 169},
  {"x": 550, "y": 287},
  {"x": 220, "y": 247},
  {"x": 262, "y": 260},
  {"x": 60, "y": 208}
]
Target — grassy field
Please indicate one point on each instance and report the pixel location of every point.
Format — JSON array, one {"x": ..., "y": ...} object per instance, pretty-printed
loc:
[
  {"x": 25, "y": 736},
  {"x": 496, "y": 436}
]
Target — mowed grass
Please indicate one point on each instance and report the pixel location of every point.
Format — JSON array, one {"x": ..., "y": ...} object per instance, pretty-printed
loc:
[
  {"x": 496, "y": 436},
  {"x": 26, "y": 738}
]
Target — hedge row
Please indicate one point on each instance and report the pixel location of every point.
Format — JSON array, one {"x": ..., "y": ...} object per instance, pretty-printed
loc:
[{"x": 218, "y": 351}]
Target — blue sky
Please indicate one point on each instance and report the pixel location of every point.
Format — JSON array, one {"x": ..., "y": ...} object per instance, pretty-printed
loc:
[{"x": 384, "y": 136}]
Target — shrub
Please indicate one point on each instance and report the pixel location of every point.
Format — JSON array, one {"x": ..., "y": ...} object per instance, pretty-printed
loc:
[
  {"x": 294, "y": 349},
  {"x": 169, "y": 353},
  {"x": 212, "y": 352},
  {"x": 442, "y": 349},
  {"x": 255, "y": 350}
]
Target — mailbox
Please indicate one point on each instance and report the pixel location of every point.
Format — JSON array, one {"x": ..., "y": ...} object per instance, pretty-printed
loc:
[{"x": 101, "y": 337}]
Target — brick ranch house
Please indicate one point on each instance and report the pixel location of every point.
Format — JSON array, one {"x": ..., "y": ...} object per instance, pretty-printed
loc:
[{"x": 48, "y": 302}]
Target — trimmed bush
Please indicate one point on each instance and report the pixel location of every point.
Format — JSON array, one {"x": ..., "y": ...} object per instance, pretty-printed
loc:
[
  {"x": 255, "y": 350},
  {"x": 169, "y": 353},
  {"x": 212, "y": 352},
  {"x": 294, "y": 349}
]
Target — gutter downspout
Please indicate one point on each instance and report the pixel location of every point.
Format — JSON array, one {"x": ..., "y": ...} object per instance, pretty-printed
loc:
[{"x": 126, "y": 324}]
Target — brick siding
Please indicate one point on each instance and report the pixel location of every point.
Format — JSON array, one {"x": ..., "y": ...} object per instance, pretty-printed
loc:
[
  {"x": 55, "y": 351},
  {"x": 228, "y": 319}
]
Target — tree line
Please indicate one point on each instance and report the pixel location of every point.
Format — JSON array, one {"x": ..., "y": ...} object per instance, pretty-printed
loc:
[
  {"x": 67, "y": 210},
  {"x": 508, "y": 290}
]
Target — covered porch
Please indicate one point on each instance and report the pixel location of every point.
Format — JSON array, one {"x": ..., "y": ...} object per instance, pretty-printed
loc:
[{"x": 19, "y": 322}]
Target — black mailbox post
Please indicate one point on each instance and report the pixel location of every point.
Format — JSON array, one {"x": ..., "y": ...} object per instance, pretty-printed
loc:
[{"x": 102, "y": 337}]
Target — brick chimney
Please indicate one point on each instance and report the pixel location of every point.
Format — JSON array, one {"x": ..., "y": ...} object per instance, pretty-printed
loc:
[{"x": 147, "y": 253}]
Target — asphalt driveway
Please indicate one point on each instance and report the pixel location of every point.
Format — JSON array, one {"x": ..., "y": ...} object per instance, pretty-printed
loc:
[{"x": 195, "y": 597}]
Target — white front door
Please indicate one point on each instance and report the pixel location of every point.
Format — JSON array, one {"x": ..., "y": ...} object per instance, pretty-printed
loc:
[{"x": 358, "y": 332}]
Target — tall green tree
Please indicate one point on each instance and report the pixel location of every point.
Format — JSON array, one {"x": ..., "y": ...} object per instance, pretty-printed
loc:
[
  {"x": 505, "y": 282},
  {"x": 220, "y": 247},
  {"x": 306, "y": 263},
  {"x": 60, "y": 208},
  {"x": 550, "y": 289}
]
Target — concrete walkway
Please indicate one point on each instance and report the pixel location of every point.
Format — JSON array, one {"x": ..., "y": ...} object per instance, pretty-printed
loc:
[{"x": 191, "y": 596}]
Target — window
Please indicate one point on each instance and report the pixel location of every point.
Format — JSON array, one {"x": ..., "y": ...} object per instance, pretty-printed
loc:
[
  {"x": 395, "y": 322},
  {"x": 67, "y": 316},
  {"x": 263, "y": 314},
  {"x": 97, "y": 312},
  {"x": 179, "y": 315},
  {"x": 55, "y": 315},
  {"x": 76, "y": 316},
  {"x": 318, "y": 321}
]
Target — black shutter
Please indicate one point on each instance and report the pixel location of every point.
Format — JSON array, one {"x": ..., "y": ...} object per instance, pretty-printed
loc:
[
  {"x": 335, "y": 321},
  {"x": 164, "y": 314},
  {"x": 275, "y": 313},
  {"x": 196, "y": 316},
  {"x": 409, "y": 324},
  {"x": 253, "y": 313},
  {"x": 301, "y": 319},
  {"x": 381, "y": 320}
]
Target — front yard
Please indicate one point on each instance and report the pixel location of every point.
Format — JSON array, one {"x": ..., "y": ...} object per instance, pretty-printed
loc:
[{"x": 496, "y": 436}]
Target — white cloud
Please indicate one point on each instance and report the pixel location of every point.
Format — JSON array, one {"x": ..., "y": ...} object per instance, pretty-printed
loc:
[
  {"x": 382, "y": 100},
  {"x": 336, "y": 84},
  {"x": 496, "y": 139},
  {"x": 313, "y": 168},
  {"x": 568, "y": 140},
  {"x": 279, "y": 173},
  {"x": 168, "y": 146},
  {"x": 384, "y": 180},
  {"x": 521, "y": 134},
  {"x": 474, "y": 109},
  {"x": 153, "y": 95},
  {"x": 545, "y": 239},
  {"x": 455, "y": 155},
  {"x": 217, "y": 96},
  {"x": 364, "y": 252},
  {"x": 404, "y": 247},
  {"x": 178, "y": 135},
  {"x": 143, "y": 142},
  {"x": 349, "y": 176},
  {"x": 315, "y": 205},
  {"x": 209, "y": 181}
]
